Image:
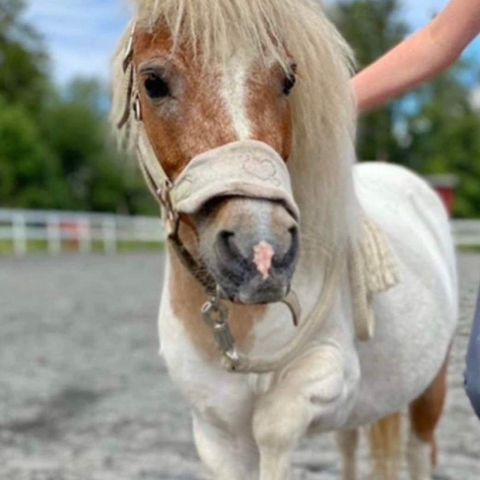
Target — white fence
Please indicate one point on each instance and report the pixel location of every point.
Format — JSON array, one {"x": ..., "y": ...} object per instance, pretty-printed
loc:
[
  {"x": 466, "y": 232},
  {"x": 77, "y": 231},
  {"x": 83, "y": 231}
]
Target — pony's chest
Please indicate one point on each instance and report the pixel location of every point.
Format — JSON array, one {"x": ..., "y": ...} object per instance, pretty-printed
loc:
[{"x": 224, "y": 398}]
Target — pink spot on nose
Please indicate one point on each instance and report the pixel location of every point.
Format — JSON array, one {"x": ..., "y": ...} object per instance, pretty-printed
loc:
[{"x": 263, "y": 254}]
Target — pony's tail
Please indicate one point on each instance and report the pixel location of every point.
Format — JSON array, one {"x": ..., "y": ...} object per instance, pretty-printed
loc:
[{"x": 386, "y": 447}]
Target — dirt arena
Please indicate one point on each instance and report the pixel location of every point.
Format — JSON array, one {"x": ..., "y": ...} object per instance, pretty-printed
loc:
[{"x": 83, "y": 394}]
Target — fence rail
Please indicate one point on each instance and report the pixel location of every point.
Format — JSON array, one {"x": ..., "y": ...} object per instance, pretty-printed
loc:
[
  {"x": 82, "y": 231},
  {"x": 79, "y": 231},
  {"x": 466, "y": 232}
]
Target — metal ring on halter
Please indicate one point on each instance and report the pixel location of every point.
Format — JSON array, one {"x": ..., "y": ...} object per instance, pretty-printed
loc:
[{"x": 215, "y": 315}]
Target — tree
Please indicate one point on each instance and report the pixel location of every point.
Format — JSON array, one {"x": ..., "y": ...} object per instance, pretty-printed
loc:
[
  {"x": 96, "y": 175},
  {"x": 439, "y": 130},
  {"x": 372, "y": 27},
  {"x": 54, "y": 151},
  {"x": 30, "y": 174},
  {"x": 23, "y": 61},
  {"x": 443, "y": 138}
]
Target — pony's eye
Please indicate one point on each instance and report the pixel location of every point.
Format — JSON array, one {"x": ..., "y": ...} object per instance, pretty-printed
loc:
[
  {"x": 290, "y": 80},
  {"x": 156, "y": 87},
  {"x": 289, "y": 83}
]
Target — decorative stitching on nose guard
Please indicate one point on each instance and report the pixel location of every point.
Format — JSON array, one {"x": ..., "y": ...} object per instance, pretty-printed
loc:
[
  {"x": 247, "y": 168},
  {"x": 264, "y": 169}
]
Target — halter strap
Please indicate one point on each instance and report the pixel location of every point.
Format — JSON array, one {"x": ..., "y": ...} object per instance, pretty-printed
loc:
[
  {"x": 155, "y": 176},
  {"x": 369, "y": 266},
  {"x": 160, "y": 186},
  {"x": 159, "y": 182}
]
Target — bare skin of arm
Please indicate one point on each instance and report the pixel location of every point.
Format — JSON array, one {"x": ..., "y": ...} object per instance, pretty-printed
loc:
[{"x": 420, "y": 58}]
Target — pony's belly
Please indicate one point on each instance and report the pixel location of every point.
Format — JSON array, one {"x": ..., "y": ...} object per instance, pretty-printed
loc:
[{"x": 415, "y": 321}]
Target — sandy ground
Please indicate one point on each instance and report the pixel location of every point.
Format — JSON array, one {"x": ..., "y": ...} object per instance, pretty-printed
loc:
[{"x": 83, "y": 394}]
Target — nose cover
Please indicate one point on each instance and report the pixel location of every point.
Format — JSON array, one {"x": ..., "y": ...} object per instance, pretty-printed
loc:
[{"x": 247, "y": 168}]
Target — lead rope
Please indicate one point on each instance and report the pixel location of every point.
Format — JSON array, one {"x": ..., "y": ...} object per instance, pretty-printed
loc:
[
  {"x": 215, "y": 312},
  {"x": 370, "y": 271},
  {"x": 216, "y": 317}
]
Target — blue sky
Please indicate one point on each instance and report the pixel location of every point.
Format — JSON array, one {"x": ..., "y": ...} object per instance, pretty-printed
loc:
[{"x": 81, "y": 35}]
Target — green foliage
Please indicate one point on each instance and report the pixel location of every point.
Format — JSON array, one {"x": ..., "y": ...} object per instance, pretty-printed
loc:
[
  {"x": 438, "y": 132},
  {"x": 54, "y": 151},
  {"x": 372, "y": 27},
  {"x": 30, "y": 172},
  {"x": 23, "y": 62},
  {"x": 443, "y": 138},
  {"x": 98, "y": 178}
]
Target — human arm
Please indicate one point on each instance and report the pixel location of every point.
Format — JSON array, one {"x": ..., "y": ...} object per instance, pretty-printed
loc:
[{"x": 420, "y": 57}]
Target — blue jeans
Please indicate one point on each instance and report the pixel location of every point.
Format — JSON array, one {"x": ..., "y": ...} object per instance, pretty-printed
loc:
[{"x": 472, "y": 374}]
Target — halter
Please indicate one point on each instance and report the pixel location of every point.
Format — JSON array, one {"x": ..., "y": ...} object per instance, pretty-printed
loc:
[
  {"x": 253, "y": 169},
  {"x": 246, "y": 168}
]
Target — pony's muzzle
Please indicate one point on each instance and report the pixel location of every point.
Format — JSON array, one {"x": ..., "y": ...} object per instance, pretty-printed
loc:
[
  {"x": 241, "y": 197},
  {"x": 254, "y": 261}
]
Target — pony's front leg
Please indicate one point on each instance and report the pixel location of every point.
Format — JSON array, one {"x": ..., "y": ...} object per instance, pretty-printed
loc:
[
  {"x": 318, "y": 389},
  {"x": 280, "y": 421},
  {"x": 227, "y": 456}
]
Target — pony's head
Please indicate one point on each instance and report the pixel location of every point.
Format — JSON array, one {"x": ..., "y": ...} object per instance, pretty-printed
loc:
[{"x": 212, "y": 72}]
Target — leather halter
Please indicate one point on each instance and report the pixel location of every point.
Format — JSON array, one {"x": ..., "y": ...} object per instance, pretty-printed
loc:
[
  {"x": 152, "y": 170},
  {"x": 162, "y": 187}
]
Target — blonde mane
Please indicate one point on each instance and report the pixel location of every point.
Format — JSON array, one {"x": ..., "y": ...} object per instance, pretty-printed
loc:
[{"x": 323, "y": 107}]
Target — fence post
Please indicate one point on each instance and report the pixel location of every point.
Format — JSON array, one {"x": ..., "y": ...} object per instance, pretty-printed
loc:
[
  {"x": 19, "y": 234},
  {"x": 54, "y": 235},
  {"x": 85, "y": 236},
  {"x": 109, "y": 235}
]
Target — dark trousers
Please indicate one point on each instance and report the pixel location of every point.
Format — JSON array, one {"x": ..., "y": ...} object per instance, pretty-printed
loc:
[{"x": 472, "y": 374}]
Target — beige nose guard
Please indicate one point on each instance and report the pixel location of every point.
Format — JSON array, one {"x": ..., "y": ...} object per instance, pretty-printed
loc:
[{"x": 247, "y": 168}]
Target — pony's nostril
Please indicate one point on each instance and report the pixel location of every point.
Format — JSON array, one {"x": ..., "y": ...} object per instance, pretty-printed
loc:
[
  {"x": 225, "y": 235},
  {"x": 286, "y": 260},
  {"x": 293, "y": 233},
  {"x": 227, "y": 247}
]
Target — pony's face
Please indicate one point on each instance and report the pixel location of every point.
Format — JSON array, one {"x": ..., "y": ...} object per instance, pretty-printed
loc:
[{"x": 250, "y": 246}]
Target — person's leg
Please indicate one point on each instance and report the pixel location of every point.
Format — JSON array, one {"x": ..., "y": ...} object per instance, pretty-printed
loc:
[{"x": 472, "y": 373}]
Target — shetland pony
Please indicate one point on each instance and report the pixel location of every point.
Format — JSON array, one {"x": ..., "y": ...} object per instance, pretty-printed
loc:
[{"x": 211, "y": 72}]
